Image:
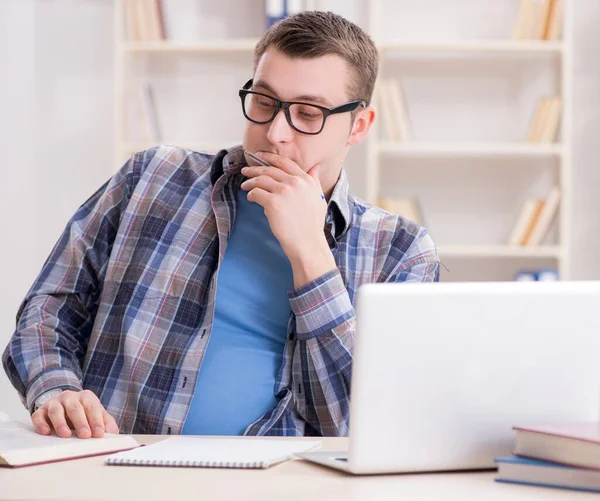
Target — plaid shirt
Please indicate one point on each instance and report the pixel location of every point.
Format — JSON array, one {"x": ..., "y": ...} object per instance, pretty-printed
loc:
[{"x": 124, "y": 304}]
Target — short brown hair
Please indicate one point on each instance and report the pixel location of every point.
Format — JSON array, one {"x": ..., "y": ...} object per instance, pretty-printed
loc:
[{"x": 312, "y": 34}]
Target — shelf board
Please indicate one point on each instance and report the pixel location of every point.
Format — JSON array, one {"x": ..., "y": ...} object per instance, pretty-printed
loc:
[
  {"x": 499, "y": 251},
  {"x": 505, "y": 47},
  {"x": 239, "y": 45},
  {"x": 393, "y": 47},
  {"x": 467, "y": 149}
]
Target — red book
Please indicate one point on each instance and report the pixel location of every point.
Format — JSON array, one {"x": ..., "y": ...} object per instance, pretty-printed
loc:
[{"x": 574, "y": 444}]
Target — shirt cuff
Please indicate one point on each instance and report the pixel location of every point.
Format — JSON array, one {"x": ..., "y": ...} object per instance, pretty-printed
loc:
[
  {"x": 51, "y": 379},
  {"x": 320, "y": 305}
]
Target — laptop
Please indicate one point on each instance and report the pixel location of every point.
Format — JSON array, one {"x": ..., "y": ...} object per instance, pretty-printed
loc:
[{"x": 443, "y": 371}]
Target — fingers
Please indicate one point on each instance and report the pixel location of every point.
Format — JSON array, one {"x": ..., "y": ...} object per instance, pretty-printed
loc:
[
  {"x": 259, "y": 196},
  {"x": 272, "y": 172},
  {"x": 110, "y": 425},
  {"x": 39, "y": 419},
  {"x": 56, "y": 415},
  {"x": 254, "y": 158},
  {"x": 264, "y": 182},
  {"x": 94, "y": 413},
  {"x": 287, "y": 165},
  {"x": 81, "y": 411},
  {"x": 78, "y": 416}
]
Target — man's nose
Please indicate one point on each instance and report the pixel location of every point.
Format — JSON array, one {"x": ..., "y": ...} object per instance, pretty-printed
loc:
[{"x": 280, "y": 130}]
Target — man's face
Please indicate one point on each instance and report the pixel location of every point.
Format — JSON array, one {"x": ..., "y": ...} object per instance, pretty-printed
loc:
[{"x": 320, "y": 81}]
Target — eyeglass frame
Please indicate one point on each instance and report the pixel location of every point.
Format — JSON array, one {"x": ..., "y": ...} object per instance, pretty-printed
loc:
[{"x": 285, "y": 106}]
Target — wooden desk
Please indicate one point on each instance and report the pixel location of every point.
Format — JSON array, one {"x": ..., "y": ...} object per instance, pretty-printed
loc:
[{"x": 88, "y": 479}]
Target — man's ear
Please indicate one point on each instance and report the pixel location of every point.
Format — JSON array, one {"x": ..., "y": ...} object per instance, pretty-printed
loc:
[{"x": 362, "y": 124}]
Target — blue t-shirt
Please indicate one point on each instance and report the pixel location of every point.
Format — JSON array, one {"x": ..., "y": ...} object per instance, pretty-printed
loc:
[{"x": 236, "y": 382}]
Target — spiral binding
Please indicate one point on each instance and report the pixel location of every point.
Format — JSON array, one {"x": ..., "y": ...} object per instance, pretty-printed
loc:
[{"x": 201, "y": 464}]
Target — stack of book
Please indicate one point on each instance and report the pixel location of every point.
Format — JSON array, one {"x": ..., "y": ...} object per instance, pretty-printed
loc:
[
  {"x": 408, "y": 208},
  {"x": 534, "y": 220},
  {"x": 390, "y": 97},
  {"x": 546, "y": 119},
  {"x": 539, "y": 20},
  {"x": 145, "y": 20},
  {"x": 564, "y": 455}
]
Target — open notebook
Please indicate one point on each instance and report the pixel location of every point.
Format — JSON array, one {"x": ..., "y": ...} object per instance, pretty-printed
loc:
[
  {"x": 20, "y": 445},
  {"x": 214, "y": 452}
]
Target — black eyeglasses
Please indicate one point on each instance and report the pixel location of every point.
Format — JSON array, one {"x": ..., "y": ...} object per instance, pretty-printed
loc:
[{"x": 302, "y": 117}]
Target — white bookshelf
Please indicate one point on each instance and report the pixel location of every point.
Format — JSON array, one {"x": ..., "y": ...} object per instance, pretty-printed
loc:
[
  {"x": 381, "y": 155},
  {"x": 385, "y": 155},
  {"x": 393, "y": 49},
  {"x": 240, "y": 45}
]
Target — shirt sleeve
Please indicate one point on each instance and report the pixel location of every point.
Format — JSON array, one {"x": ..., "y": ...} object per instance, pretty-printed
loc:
[
  {"x": 55, "y": 319},
  {"x": 325, "y": 327}
]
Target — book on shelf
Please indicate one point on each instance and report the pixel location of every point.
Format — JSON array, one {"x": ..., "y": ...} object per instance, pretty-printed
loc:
[
  {"x": 526, "y": 221},
  {"x": 382, "y": 100},
  {"x": 131, "y": 15},
  {"x": 525, "y": 276},
  {"x": 539, "y": 20},
  {"x": 145, "y": 20},
  {"x": 149, "y": 112},
  {"x": 526, "y": 21},
  {"x": 543, "y": 275},
  {"x": 555, "y": 21},
  {"x": 538, "y": 119},
  {"x": 569, "y": 443},
  {"x": 542, "y": 17},
  {"x": 545, "y": 218},
  {"x": 547, "y": 275},
  {"x": 408, "y": 208},
  {"x": 134, "y": 130},
  {"x": 552, "y": 119},
  {"x": 391, "y": 99},
  {"x": 546, "y": 119},
  {"x": 534, "y": 220},
  {"x": 276, "y": 10},
  {"x": 141, "y": 116},
  {"x": 518, "y": 470},
  {"x": 21, "y": 445}
]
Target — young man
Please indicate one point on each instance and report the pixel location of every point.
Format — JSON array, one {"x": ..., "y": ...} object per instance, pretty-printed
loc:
[{"x": 196, "y": 294}]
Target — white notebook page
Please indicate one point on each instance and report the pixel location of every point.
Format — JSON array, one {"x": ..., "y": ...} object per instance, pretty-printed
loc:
[
  {"x": 15, "y": 435},
  {"x": 202, "y": 450}
]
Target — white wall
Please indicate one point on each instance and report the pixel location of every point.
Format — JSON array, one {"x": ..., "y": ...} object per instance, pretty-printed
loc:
[
  {"x": 19, "y": 192},
  {"x": 67, "y": 91},
  {"x": 56, "y": 97},
  {"x": 585, "y": 240}
]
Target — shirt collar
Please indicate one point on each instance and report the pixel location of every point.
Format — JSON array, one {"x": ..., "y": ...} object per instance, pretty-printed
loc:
[
  {"x": 233, "y": 160},
  {"x": 339, "y": 213}
]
